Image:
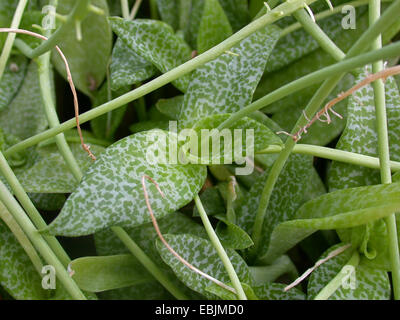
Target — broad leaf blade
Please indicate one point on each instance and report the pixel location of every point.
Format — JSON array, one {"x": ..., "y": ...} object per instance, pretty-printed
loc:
[
  {"x": 101, "y": 273},
  {"x": 227, "y": 84},
  {"x": 89, "y": 57},
  {"x": 156, "y": 42},
  {"x": 201, "y": 254},
  {"x": 111, "y": 191}
]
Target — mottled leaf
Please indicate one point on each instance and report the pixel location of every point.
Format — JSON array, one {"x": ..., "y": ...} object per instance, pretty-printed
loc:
[
  {"x": 156, "y": 42},
  {"x": 127, "y": 67},
  {"x": 47, "y": 172},
  {"x": 17, "y": 274},
  {"x": 200, "y": 253},
  {"x": 371, "y": 284},
  {"x": 274, "y": 291},
  {"x": 24, "y": 116},
  {"x": 336, "y": 210},
  {"x": 12, "y": 79},
  {"x": 227, "y": 84},
  {"x": 111, "y": 192},
  {"x": 214, "y": 26}
]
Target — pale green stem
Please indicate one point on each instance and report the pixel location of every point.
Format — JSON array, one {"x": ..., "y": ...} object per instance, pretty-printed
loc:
[
  {"x": 315, "y": 103},
  {"x": 337, "y": 281},
  {"x": 383, "y": 149},
  {"x": 49, "y": 108},
  {"x": 388, "y": 51},
  {"x": 78, "y": 13},
  {"x": 153, "y": 10},
  {"x": 21, "y": 237},
  {"x": 65, "y": 151},
  {"x": 30, "y": 209},
  {"x": 148, "y": 263},
  {"x": 327, "y": 13},
  {"x": 220, "y": 250},
  {"x": 11, "y": 36},
  {"x": 38, "y": 241},
  {"x": 334, "y": 155},
  {"x": 315, "y": 31},
  {"x": 125, "y": 9}
]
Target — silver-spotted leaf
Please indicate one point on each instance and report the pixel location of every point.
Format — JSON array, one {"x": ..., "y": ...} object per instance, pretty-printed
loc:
[
  {"x": 201, "y": 254},
  {"x": 24, "y": 116},
  {"x": 214, "y": 26},
  {"x": 127, "y": 67},
  {"x": 370, "y": 284},
  {"x": 227, "y": 83},
  {"x": 335, "y": 210},
  {"x": 111, "y": 192},
  {"x": 12, "y": 79},
  {"x": 156, "y": 42},
  {"x": 17, "y": 274},
  {"x": 47, "y": 172}
]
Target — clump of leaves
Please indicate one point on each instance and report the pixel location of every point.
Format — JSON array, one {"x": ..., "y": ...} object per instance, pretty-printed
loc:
[{"x": 321, "y": 101}]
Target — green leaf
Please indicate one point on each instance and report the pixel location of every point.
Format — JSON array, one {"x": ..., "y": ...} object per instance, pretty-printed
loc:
[
  {"x": 231, "y": 235},
  {"x": 201, "y": 254},
  {"x": 299, "y": 43},
  {"x": 360, "y": 135},
  {"x": 12, "y": 79},
  {"x": 251, "y": 133},
  {"x": 156, "y": 42},
  {"x": 111, "y": 192},
  {"x": 212, "y": 202},
  {"x": 169, "y": 12},
  {"x": 24, "y": 116},
  {"x": 225, "y": 294},
  {"x": 227, "y": 84},
  {"x": 214, "y": 26},
  {"x": 17, "y": 274},
  {"x": 370, "y": 284},
  {"x": 48, "y": 201},
  {"x": 47, "y": 172},
  {"x": 274, "y": 291},
  {"x": 237, "y": 12},
  {"x": 269, "y": 273},
  {"x": 170, "y": 107},
  {"x": 336, "y": 210},
  {"x": 127, "y": 67},
  {"x": 88, "y": 58},
  {"x": 104, "y": 127},
  {"x": 149, "y": 125},
  {"x": 107, "y": 243},
  {"x": 101, "y": 273},
  {"x": 143, "y": 291},
  {"x": 286, "y": 197}
]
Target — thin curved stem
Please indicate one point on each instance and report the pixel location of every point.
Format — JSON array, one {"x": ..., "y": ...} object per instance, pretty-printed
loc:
[
  {"x": 315, "y": 31},
  {"x": 11, "y": 36},
  {"x": 220, "y": 249},
  {"x": 388, "y": 51},
  {"x": 390, "y": 15},
  {"x": 383, "y": 149},
  {"x": 148, "y": 263}
]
